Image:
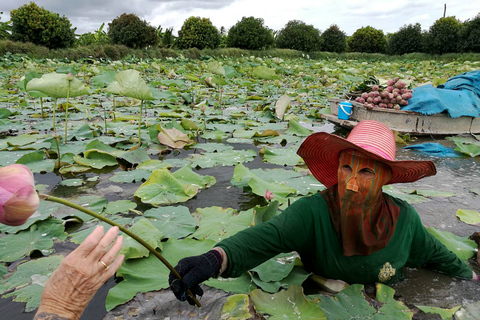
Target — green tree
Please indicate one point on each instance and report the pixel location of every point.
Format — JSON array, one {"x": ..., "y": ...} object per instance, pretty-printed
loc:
[
  {"x": 470, "y": 35},
  {"x": 443, "y": 36},
  {"x": 368, "y": 39},
  {"x": 406, "y": 40},
  {"x": 297, "y": 35},
  {"x": 249, "y": 33},
  {"x": 334, "y": 39},
  {"x": 99, "y": 36},
  {"x": 5, "y": 29},
  {"x": 198, "y": 33},
  {"x": 31, "y": 23},
  {"x": 129, "y": 30}
]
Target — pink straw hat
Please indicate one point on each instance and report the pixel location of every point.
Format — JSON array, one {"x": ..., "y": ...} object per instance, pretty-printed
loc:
[{"x": 321, "y": 152}]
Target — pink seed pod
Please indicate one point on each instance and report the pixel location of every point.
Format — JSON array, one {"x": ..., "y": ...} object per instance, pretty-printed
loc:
[
  {"x": 389, "y": 88},
  {"x": 364, "y": 95},
  {"x": 375, "y": 88},
  {"x": 369, "y": 99},
  {"x": 390, "y": 105},
  {"x": 357, "y": 99},
  {"x": 390, "y": 82},
  {"x": 399, "y": 98},
  {"x": 376, "y": 100},
  {"x": 371, "y": 94},
  {"x": 361, "y": 100},
  {"x": 405, "y": 96},
  {"x": 391, "y": 96},
  {"x": 382, "y": 105},
  {"x": 402, "y": 91},
  {"x": 396, "y": 79},
  {"x": 404, "y": 103}
]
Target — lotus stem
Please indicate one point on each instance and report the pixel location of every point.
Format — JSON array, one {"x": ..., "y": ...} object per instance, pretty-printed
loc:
[
  {"x": 66, "y": 111},
  {"x": 53, "y": 115},
  {"x": 124, "y": 230},
  {"x": 139, "y": 125},
  {"x": 41, "y": 106}
]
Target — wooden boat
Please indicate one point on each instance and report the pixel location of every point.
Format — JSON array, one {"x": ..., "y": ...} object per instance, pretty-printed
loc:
[{"x": 404, "y": 122}]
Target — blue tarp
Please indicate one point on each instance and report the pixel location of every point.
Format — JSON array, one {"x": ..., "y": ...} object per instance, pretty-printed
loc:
[
  {"x": 434, "y": 149},
  {"x": 459, "y": 96}
]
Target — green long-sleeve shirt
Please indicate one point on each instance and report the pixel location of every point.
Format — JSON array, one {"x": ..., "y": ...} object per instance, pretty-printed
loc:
[{"x": 305, "y": 227}]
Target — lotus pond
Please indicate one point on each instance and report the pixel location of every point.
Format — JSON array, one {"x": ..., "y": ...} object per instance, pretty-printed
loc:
[{"x": 181, "y": 152}]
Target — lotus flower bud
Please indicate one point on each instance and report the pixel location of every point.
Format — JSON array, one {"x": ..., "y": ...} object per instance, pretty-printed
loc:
[
  {"x": 18, "y": 198},
  {"x": 396, "y": 79},
  {"x": 202, "y": 108},
  {"x": 268, "y": 195},
  {"x": 69, "y": 76}
]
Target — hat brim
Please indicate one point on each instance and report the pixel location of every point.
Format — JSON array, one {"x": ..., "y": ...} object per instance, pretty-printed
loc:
[{"x": 320, "y": 152}]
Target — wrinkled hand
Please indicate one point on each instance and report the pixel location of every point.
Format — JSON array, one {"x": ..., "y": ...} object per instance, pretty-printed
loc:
[
  {"x": 76, "y": 280},
  {"x": 193, "y": 271}
]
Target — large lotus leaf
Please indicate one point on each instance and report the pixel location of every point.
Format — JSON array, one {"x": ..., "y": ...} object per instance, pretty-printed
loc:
[
  {"x": 428, "y": 193},
  {"x": 98, "y": 146},
  {"x": 174, "y": 138},
  {"x": 262, "y": 214},
  {"x": 45, "y": 209},
  {"x": 243, "y": 133},
  {"x": 104, "y": 79},
  {"x": 36, "y": 162},
  {"x": 186, "y": 176},
  {"x": 136, "y": 175},
  {"x": 242, "y": 284},
  {"x": 226, "y": 158},
  {"x": 56, "y": 85},
  {"x": 218, "y": 223},
  {"x": 129, "y": 83},
  {"x": 216, "y": 67},
  {"x": 446, "y": 314},
  {"x": 266, "y": 133},
  {"x": 29, "y": 279},
  {"x": 461, "y": 246},
  {"x": 119, "y": 206},
  {"x": 135, "y": 156},
  {"x": 167, "y": 95},
  {"x": 281, "y": 156},
  {"x": 392, "y": 308},
  {"x": 163, "y": 188},
  {"x": 80, "y": 236},
  {"x": 281, "y": 105},
  {"x": 3, "y": 270},
  {"x": 241, "y": 175},
  {"x": 398, "y": 193},
  {"x": 348, "y": 304},
  {"x": 93, "y": 202},
  {"x": 295, "y": 128},
  {"x": 286, "y": 304},
  {"x": 472, "y": 150},
  {"x": 215, "y": 135},
  {"x": 143, "y": 228},
  {"x": 237, "y": 307},
  {"x": 468, "y": 312},
  {"x": 96, "y": 160},
  {"x": 296, "y": 277},
  {"x": 38, "y": 237},
  {"x": 276, "y": 268},
  {"x": 212, "y": 147},
  {"x": 305, "y": 184},
  {"x": 84, "y": 132},
  {"x": 469, "y": 216},
  {"x": 153, "y": 164},
  {"x": 265, "y": 73},
  {"x": 21, "y": 140},
  {"x": 149, "y": 274},
  {"x": 73, "y": 169},
  {"x": 173, "y": 222}
]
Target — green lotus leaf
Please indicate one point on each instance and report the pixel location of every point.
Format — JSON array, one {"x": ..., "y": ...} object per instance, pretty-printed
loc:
[
  {"x": 286, "y": 304},
  {"x": 21, "y": 140},
  {"x": 36, "y": 162},
  {"x": 143, "y": 228},
  {"x": 216, "y": 67},
  {"x": 163, "y": 188},
  {"x": 212, "y": 147},
  {"x": 186, "y": 176},
  {"x": 281, "y": 105},
  {"x": 262, "y": 214},
  {"x": 305, "y": 185},
  {"x": 173, "y": 222},
  {"x": 72, "y": 182},
  {"x": 469, "y": 216},
  {"x": 123, "y": 206},
  {"x": 242, "y": 284},
  {"x": 217, "y": 223},
  {"x": 38, "y": 237},
  {"x": 44, "y": 211},
  {"x": 56, "y": 85},
  {"x": 398, "y": 193},
  {"x": 129, "y": 83},
  {"x": 428, "y": 193},
  {"x": 74, "y": 169},
  {"x": 136, "y": 175},
  {"x": 282, "y": 157},
  {"x": 296, "y": 277},
  {"x": 265, "y": 73},
  {"x": 96, "y": 160},
  {"x": 295, "y": 128},
  {"x": 80, "y": 236},
  {"x": 237, "y": 307},
  {"x": 28, "y": 281},
  {"x": 473, "y": 150},
  {"x": 461, "y": 246},
  {"x": 446, "y": 314},
  {"x": 276, "y": 268},
  {"x": 154, "y": 164},
  {"x": 137, "y": 273},
  {"x": 104, "y": 79},
  {"x": 215, "y": 135},
  {"x": 391, "y": 309},
  {"x": 226, "y": 158}
]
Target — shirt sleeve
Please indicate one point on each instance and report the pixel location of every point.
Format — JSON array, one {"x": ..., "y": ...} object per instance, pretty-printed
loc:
[
  {"x": 427, "y": 251},
  {"x": 255, "y": 245}
]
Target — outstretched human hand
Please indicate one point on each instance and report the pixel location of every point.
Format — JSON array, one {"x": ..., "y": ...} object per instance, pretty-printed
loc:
[
  {"x": 193, "y": 271},
  {"x": 78, "y": 277}
]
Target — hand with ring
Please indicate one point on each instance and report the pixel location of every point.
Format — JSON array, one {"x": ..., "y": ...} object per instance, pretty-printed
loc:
[{"x": 76, "y": 280}]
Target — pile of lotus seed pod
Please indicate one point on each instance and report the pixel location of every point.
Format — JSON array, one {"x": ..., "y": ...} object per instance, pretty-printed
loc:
[{"x": 393, "y": 96}]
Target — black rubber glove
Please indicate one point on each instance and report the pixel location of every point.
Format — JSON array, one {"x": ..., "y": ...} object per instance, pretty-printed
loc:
[{"x": 194, "y": 270}]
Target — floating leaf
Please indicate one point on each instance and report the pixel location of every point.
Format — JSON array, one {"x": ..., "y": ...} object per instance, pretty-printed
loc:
[
  {"x": 163, "y": 188},
  {"x": 286, "y": 304},
  {"x": 446, "y": 314},
  {"x": 263, "y": 72},
  {"x": 129, "y": 83},
  {"x": 461, "y": 246},
  {"x": 56, "y": 85},
  {"x": 218, "y": 223},
  {"x": 281, "y": 105},
  {"x": 173, "y": 222},
  {"x": 174, "y": 138},
  {"x": 237, "y": 307},
  {"x": 469, "y": 216},
  {"x": 143, "y": 228}
]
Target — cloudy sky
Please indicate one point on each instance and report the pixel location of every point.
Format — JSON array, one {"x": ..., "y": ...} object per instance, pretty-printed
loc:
[{"x": 349, "y": 15}]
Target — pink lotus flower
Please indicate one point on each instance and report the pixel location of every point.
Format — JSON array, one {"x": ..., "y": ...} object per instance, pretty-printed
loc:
[
  {"x": 18, "y": 198},
  {"x": 268, "y": 195}
]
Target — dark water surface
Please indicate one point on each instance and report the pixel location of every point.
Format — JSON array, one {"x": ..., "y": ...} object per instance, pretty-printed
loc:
[{"x": 421, "y": 287}]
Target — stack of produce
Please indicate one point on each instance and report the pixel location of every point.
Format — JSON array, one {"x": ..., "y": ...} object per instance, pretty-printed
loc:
[{"x": 393, "y": 96}]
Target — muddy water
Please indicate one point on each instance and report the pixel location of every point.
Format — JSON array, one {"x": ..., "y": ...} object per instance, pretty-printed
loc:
[{"x": 421, "y": 287}]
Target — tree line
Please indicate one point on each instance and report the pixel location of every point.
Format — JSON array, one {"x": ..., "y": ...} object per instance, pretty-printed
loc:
[{"x": 34, "y": 24}]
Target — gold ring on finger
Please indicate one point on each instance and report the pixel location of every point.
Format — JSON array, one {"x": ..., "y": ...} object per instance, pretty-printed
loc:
[{"x": 104, "y": 264}]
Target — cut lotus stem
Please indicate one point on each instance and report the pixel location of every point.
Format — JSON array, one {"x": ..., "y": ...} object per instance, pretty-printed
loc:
[{"x": 124, "y": 230}]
